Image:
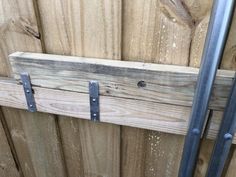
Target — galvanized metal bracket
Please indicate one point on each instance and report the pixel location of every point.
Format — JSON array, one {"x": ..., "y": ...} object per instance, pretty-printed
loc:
[
  {"x": 29, "y": 93},
  {"x": 94, "y": 100}
]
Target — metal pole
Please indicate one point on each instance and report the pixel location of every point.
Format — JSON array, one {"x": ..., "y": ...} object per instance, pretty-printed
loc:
[
  {"x": 225, "y": 136},
  {"x": 218, "y": 28}
]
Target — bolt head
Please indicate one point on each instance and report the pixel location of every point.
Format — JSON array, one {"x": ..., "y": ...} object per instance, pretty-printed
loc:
[
  {"x": 228, "y": 136},
  {"x": 196, "y": 131}
]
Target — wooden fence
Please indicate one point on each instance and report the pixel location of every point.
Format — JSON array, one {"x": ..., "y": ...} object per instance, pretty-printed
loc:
[{"x": 153, "y": 31}]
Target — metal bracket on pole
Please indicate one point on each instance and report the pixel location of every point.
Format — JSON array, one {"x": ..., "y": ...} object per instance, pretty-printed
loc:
[
  {"x": 94, "y": 100},
  {"x": 29, "y": 94},
  {"x": 218, "y": 29}
]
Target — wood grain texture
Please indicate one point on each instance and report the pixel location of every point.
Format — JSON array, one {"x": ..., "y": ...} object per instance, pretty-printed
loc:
[
  {"x": 140, "y": 113},
  {"x": 204, "y": 157},
  {"x": 84, "y": 28},
  {"x": 7, "y": 163},
  {"x": 142, "y": 151},
  {"x": 133, "y": 142},
  {"x": 18, "y": 30},
  {"x": 230, "y": 167},
  {"x": 156, "y": 31},
  {"x": 115, "y": 110},
  {"x": 214, "y": 124},
  {"x": 92, "y": 29},
  {"x": 34, "y": 145},
  {"x": 229, "y": 60},
  {"x": 159, "y": 83},
  {"x": 163, "y": 154},
  {"x": 159, "y": 32},
  {"x": 80, "y": 143},
  {"x": 34, "y": 135},
  {"x": 198, "y": 41},
  {"x": 200, "y": 11}
]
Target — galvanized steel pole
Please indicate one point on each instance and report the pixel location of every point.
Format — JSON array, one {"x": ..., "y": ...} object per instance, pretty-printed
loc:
[{"x": 218, "y": 28}]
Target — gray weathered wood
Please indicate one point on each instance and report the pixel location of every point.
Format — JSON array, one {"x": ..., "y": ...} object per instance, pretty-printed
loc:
[
  {"x": 137, "y": 113},
  {"x": 7, "y": 163},
  {"x": 92, "y": 29},
  {"x": 162, "y": 83},
  {"x": 34, "y": 136}
]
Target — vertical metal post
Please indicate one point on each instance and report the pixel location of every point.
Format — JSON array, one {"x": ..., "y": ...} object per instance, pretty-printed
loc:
[
  {"x": 225, "y": 136},
  {"x": 218, "y": 28}
]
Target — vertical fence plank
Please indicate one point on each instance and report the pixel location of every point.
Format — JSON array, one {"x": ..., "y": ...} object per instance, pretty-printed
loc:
[
  {"x": 7, "y": 164},
  {"x": 92, "y": 29},
  {"x": 230, "y": 169},
  {"x": 154, "y": 31},
  {"x": 159, "y": 32},
  {"x": 34, "y": 135},
  {"x": 36, "y": 143}
]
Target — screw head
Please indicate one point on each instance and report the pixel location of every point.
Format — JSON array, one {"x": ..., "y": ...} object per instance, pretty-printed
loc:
[
  {"x": 141, "y": 84},
  {"x": 196, "y": 131},
  {"x": 228, "y": 136}
]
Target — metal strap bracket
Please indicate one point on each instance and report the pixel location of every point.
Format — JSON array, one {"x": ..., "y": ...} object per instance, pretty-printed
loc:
[
  {"x": 29, "y": 93},
  {"x": 94, "y": 101}
]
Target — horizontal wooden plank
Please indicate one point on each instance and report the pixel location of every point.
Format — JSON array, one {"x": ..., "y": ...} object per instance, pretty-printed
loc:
[
  {"x": 122, "y": 111},
  {"x": 137, "y": 113},
  {"x": 134, "y": 80}
]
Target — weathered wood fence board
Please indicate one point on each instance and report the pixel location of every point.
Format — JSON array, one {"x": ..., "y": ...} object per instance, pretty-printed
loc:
[
  {"x": 140, "y": 113},
  {"x": 137, "y": 113},
  {"x": 159, "y": 31},
  {"x": 131, "y": 80},
  {"x": 7, "y": 163},
  {"x": 39, "y": 151},
  {"x": 92, "y": 29}
]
